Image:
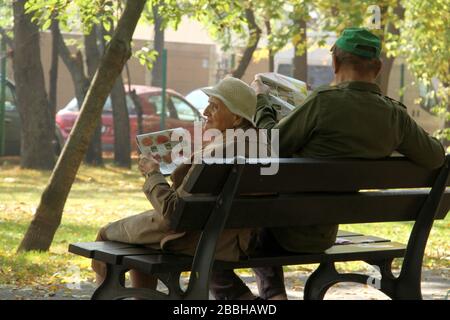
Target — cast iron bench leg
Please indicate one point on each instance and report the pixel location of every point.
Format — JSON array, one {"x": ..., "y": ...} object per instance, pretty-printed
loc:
[
  {"x": 114, "y": 281},
  {"x": 406, "y": 286},
  {"x": 403, "y": 287},
  {"x": 326, "y": 276},
  {"x": 113, "y": 287}
]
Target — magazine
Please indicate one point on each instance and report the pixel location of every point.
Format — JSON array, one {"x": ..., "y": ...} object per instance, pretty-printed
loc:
[
  {"x": 160, "y": 146},
  {"x": 286, "y": 93}
]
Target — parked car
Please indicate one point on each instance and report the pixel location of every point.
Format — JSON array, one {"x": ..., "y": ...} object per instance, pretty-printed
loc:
[
  {"x": 198, "y": 99},
  {"x": 13, "y": 124},
  {"x": 179, "y": 113}
]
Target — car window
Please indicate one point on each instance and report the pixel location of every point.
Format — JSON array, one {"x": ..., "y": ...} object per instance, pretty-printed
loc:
[
  {"x": 10, "y": 101},
  {"x": 184, "y": 111},
  {"x": 156, "y": 102},
  {"x": 198, "y": 99},
  {"x": 73, "y": 105},
  {"x": 130, "y": 105}
]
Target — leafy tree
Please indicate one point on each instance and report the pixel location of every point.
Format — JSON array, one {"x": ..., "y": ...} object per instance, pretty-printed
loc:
[
  {"x": 424, "y": 42},
  {"x": 35, "y": 116},
  {"x": 6, "y": 22},
  {"x": 57, "y": 14},
  {"x": 233, "y": 24},
  {"x": 99, "y": 18},
  {"x": 277, "y": 26},
  {"x": 300, "y": 16},
  {"x": 158, "y": 42},
  {"x": 49, "y": 211}
]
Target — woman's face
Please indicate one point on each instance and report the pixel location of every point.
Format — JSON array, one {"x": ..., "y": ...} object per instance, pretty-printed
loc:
[{"x": 218, "y": 116}]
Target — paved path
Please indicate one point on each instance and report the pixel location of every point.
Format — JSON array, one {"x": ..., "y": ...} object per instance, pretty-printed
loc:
[{"x": 435, "y": 285}]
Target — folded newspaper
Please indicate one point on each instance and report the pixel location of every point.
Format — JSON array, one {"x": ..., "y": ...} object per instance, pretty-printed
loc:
[
  {"x": 160, "y": 146},
  {"x": 286, "y": 93}
]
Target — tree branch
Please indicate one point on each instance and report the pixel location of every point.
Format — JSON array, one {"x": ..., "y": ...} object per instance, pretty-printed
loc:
[
  {"x": 75, "y": 66},
  {"x": 255, "y": 34}
]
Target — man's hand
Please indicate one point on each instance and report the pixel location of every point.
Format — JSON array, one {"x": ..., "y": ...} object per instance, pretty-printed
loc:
[
  {"x": 259, "y": 86},
  {"x": 147, "y": 164}
]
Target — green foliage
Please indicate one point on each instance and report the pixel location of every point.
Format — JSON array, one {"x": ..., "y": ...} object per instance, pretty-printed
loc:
[
  {"x": 146, "y": 56},
  {"x": 224, "y": 20},
  {"x": 425, "y": 44},
  {"x": 71, "y": 13},
  {"x": 6, "y": 14}
]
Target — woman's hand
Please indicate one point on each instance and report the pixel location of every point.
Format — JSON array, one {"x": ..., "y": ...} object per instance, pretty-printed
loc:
[{"x": 147, "y": 164}]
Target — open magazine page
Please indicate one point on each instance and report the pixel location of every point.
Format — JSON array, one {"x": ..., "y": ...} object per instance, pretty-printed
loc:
[
  {"x": 286, "y": 93},
  {"x": 160, "y": 146}
]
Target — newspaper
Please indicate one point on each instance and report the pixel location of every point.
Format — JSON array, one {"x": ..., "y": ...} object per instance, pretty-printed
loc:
[
  {"x": 286, "y": 93},
  {"x": 160, "y": 146}
]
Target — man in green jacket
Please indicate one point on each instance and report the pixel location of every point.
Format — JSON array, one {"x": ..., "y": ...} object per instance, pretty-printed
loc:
[{"x": 349, "y": 119}]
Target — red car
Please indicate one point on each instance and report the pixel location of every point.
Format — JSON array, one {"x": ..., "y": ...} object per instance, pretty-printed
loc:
[{"x": 179, "y": 113}]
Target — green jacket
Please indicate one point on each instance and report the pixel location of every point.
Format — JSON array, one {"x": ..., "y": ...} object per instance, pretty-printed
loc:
[{"x": 349, "y": 120}]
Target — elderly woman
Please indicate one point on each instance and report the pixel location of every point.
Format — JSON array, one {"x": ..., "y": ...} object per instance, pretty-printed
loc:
[{"x": 232, "y": 105}]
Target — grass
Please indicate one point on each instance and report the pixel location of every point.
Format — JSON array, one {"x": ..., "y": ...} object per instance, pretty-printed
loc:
[{"x": 102, "y": 195}]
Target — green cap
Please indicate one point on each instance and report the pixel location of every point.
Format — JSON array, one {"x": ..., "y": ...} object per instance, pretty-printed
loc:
[{"x": 352, "y": 39}]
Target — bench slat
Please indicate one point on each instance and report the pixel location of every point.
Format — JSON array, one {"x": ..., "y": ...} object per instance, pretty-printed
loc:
[
  {"x": 115, "y": 256},
  {"x": 165, "y": 263},
  {"x": 113, "y": 252},
  {"x": 310, "y": 175},
  {"x": 343, "y": 233},
  {"x": 88, "y": 249},
  {"x": 109, "y": 251},
  {"x": 310, "y": 209},
  {"x": 359, "y": 239}
]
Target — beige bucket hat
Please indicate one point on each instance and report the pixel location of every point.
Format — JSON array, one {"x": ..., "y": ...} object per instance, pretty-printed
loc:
[{"x": 238, "y": 96}]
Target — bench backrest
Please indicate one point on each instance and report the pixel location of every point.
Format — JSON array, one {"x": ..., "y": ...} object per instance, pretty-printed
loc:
[{"x": 311, "y": 192}]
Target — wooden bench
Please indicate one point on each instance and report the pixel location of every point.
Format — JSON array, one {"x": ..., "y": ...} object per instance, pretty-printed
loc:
[{"x": 304, "y": 192}]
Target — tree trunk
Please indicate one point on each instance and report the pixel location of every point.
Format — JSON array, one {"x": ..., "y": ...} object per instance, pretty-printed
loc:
[
  {"x": 121, "y": 123},
  {"x": 92, "y": 53},
  {"x": 121, "y": 126},
  {"x": 271, "y": 53},
  {"x": 47, "y": 218},
  {"x": 81, "y": 83},
  {"x": 76, "y": 69},
  {"x": 300, "y": 60},
  {"x": 137, "y": 103},
  {"x": 158, "y": 44},
  {"x": 446, "y": 140},
  {"x": 53, "y": 72},
  {"x": 36, "y": 136},
  {"x": 383, "y": 78},
  {"x": 388, "y": 62},
  {"x": 139, "y": 113},
  {"x": 255, "y": 34}
]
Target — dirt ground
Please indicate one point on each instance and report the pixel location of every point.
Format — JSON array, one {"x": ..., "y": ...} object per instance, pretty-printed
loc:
[{"x": 435, "y": 286}]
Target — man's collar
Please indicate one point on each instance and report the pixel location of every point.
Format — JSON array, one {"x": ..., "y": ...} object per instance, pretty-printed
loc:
[{"x": 360, "y": 85}]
